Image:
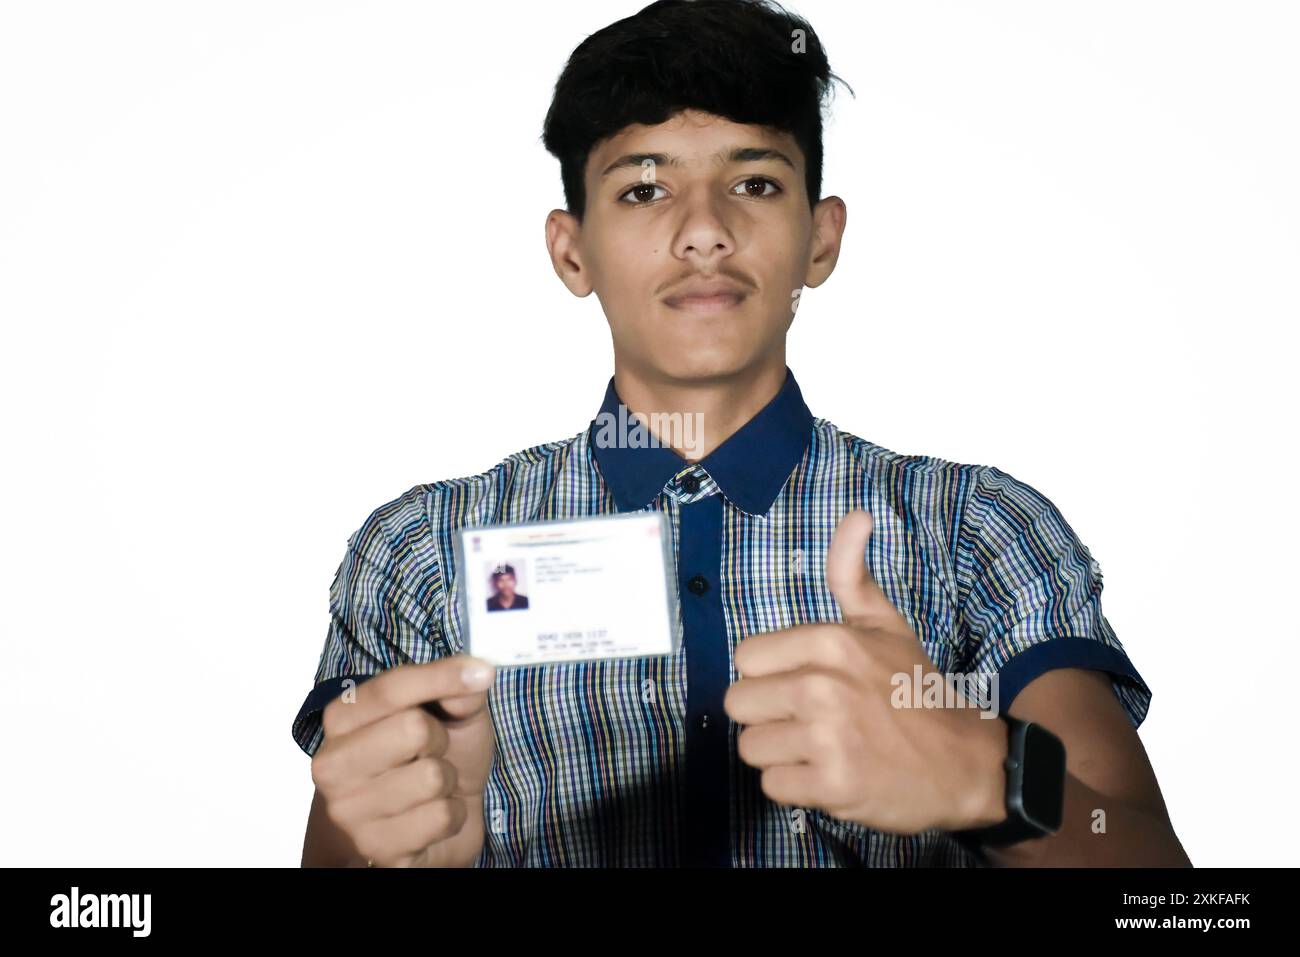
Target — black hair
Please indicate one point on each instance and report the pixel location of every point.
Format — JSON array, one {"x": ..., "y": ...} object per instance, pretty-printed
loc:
[{"x": 738, "y": 59}]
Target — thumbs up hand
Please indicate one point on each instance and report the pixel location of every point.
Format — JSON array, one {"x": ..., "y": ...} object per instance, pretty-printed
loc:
[{"x": 817, "y": 703}]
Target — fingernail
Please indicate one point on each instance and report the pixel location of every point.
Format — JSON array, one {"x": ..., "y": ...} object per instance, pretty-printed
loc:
[{"x": 476, "y": 676}]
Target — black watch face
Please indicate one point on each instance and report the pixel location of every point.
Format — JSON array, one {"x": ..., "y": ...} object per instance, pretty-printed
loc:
[{"x": 1043, "y": 791}]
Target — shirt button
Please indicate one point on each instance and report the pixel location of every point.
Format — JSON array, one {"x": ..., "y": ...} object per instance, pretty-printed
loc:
[
  {"x": 690, "y": 484},
  {"x": 698, "y": 585},
  {"x": 704, "y": 721}
]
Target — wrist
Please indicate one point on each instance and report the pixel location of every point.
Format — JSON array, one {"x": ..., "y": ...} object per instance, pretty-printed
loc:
[{"x": 985, "y": 801}]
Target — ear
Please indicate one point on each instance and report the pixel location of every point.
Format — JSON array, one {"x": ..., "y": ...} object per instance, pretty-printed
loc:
[
  {"x": 830, "y": 216},
  {"x": 563, "y": 244}
]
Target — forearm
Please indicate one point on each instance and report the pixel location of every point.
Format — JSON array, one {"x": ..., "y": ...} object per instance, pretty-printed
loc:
[{"x": 1132, "y": 836}]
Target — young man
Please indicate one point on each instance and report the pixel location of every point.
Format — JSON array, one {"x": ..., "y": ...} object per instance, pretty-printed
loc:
[
  {"x": 504, "y": 597},
  {"x": 814, "y": 568}
]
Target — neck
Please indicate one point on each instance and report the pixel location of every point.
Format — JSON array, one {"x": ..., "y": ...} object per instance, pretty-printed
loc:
[{"x": 718, "y": 405}]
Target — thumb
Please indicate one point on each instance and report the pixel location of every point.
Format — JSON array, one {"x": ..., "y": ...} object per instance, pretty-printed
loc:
[
  {"x": 847, "y": 574},
  {"x": 459, "y": 710},
  {"x": 469, "y": 697}
]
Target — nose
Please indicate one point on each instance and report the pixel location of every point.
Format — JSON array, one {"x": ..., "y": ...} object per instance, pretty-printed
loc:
[{"x": 703, "y": 236}]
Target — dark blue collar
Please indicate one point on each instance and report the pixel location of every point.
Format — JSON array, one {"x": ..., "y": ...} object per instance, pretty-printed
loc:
[{"x": 750, "y": 467}]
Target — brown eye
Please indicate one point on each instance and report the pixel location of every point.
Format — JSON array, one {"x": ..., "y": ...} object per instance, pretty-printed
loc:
[
  {"x": 761, "y": 182},
  {"x": 640, "y": 190}
]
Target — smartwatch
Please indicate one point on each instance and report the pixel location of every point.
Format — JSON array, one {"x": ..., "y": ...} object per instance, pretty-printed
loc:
[{"x": 1035, "y": 792}]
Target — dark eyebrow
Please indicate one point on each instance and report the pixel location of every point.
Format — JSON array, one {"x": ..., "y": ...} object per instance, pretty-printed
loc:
[{"x": 741, "y": 154}]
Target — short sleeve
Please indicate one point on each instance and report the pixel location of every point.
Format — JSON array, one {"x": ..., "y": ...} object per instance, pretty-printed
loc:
[
  {"x": 376, "y": 622},
  {"x": 1030, "y": 595}
]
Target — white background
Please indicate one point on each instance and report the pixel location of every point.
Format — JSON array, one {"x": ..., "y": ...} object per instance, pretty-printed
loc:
[{"x": 260, "y": 263}]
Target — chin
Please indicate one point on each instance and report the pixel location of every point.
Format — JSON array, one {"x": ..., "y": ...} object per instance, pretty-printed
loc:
[{"x": 695, "y": 363}]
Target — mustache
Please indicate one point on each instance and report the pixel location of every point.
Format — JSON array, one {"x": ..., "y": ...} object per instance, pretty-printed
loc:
[{"x": 740, "y": 279}]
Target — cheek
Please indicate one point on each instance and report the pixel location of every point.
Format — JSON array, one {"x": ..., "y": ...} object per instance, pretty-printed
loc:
[
  {"x": 776, "y": 264},
  {"x": 625, "y": 277}
]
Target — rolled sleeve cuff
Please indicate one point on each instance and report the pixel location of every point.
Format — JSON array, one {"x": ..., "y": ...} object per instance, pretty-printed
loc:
[
  {"x": 307, "y": 729},
  {"x": 1045, "y": 656}
]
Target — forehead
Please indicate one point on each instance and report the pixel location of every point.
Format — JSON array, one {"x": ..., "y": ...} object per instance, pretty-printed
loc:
[{"x": 690, "y": 138}]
